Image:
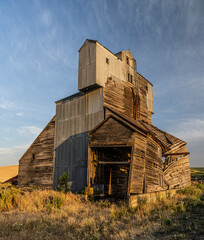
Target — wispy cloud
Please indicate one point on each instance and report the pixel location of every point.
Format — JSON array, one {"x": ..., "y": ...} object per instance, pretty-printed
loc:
[
  {"x": 28, "y": 130},
  {"x": 6, "y": 138},
  {"x": 13, "y": 150},
  {"x": 11, "y": 155},
  {"x": 46, "y": 18},
  {"x": 190, "y": 130},
  {"x": 5, "y": 104},
  {"x": 19, "y": 114}
]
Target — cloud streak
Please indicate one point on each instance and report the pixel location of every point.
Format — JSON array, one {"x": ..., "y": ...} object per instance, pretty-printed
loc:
[
  {"x": 11, "y": 155},
  {"x": 190, "y": 130},
  {"x": 29, "y": 130}
]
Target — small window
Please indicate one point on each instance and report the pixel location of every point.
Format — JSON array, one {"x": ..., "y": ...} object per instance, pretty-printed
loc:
[
  {"x": 131, "y": 79},
  {"x": 146, "y": 88},
  {"x": 33, "y": 157},
  {"x": 127, "y": 60},
  {"x": 128, "y": 77},
  {"x": 107, "y": 60}
]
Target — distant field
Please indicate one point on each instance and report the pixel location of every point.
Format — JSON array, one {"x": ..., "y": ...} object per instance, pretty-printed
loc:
[
  {"x": 8, "y": 172},
  {"x": 197, "y": 172}
]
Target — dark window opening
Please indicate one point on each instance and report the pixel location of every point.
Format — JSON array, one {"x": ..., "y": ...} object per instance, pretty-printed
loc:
[
  {"x": 107, "y": 60},
  {"x": 147, "y": 88},
  {"x": 127, "y": 60},
  {"x": 33, "y": 157},
  {"x": 130, "y": 78}
]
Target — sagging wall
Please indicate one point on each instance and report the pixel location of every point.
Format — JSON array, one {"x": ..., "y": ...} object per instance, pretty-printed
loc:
[
  {"x": 154, "y": 179},
  {"x": 137, "y": 168},
  {"x": 146, "y": 167},
  {"x": 177, "y": 169},
  {"x": 36, "y": 165},
  {"x": 74, "y": 119}
]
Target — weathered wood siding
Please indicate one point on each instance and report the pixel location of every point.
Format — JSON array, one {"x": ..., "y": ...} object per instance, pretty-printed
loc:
[
  {"x": 177, "y": 171},
  {"x": 146, "y": 105},
  {"x": 146, "y": 167},
  {"x": 74, "y": 119},
  {"x": 120, "y": 97},
  {"x": 36, "y": 165},
  {"x": 111, "y": 132},
  {"x": 153, "y": 166},
  {"x": 137, "y": 168},
  {"x": 123, "y": 97}
]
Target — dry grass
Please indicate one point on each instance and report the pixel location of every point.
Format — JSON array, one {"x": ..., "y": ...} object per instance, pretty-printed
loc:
[
  {"x": 8, "y": 172},
  {"x": 47, "y": 214}
]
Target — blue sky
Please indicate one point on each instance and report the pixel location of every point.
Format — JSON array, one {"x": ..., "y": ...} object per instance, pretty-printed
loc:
[{"x": 39, "y": 42}]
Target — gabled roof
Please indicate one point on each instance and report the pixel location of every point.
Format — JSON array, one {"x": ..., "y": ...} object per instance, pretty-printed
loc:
[
  {"x": 129, "y": 120},
  {"x": 166, "y": 140},
  {"x": 122, "y": 121},
  {"x": 95, "y": 41}
]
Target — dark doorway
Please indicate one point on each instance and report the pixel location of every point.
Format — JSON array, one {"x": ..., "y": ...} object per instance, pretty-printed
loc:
[{"x": 113, "y": 170}]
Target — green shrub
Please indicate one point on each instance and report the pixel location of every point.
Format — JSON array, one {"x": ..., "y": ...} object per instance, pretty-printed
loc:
[
  {"x": 9, "y": 196},
  {"x": 62, "y": 183},
  {"x": 191, "y": 190},
  {"x": 54, "y": 202},
  {"x": 167, "y": 221},
  {"x": 192, "y": 202}
]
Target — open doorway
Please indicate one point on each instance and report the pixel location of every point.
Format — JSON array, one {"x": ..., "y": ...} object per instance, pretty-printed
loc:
[{"x": 112, "y": 170}]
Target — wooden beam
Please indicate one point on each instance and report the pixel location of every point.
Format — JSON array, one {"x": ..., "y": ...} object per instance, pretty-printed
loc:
[
  {"x": 95, "y": 145},
  {"x": 182, "y": 153},
  {"x": 101, "y": 162}
]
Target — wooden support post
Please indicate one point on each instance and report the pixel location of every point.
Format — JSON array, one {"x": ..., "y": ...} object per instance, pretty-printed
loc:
[{"x": 110, "y": 187}]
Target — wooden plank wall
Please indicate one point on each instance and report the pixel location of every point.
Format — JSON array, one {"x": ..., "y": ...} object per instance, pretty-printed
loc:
[
  {"x": 177, "y": 172},
  {"x": 119, "y": 97},
  {"x": 137, "y": 171},
  {"x": 153, "y": 166},
  {"x": 110, "y": 132},
  {"x": 147, "y": 166},
  {"x": 37, "y": 169},
  {"x": 122, "y": 97},
  {"x": 144, "y": 113}
]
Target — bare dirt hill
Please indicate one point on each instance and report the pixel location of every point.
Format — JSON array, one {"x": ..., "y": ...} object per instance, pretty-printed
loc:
[{"x": 8, "y": 172}]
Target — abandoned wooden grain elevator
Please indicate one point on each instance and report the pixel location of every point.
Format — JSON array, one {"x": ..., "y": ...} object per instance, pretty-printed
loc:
[{"x": 103, "y": 135}]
